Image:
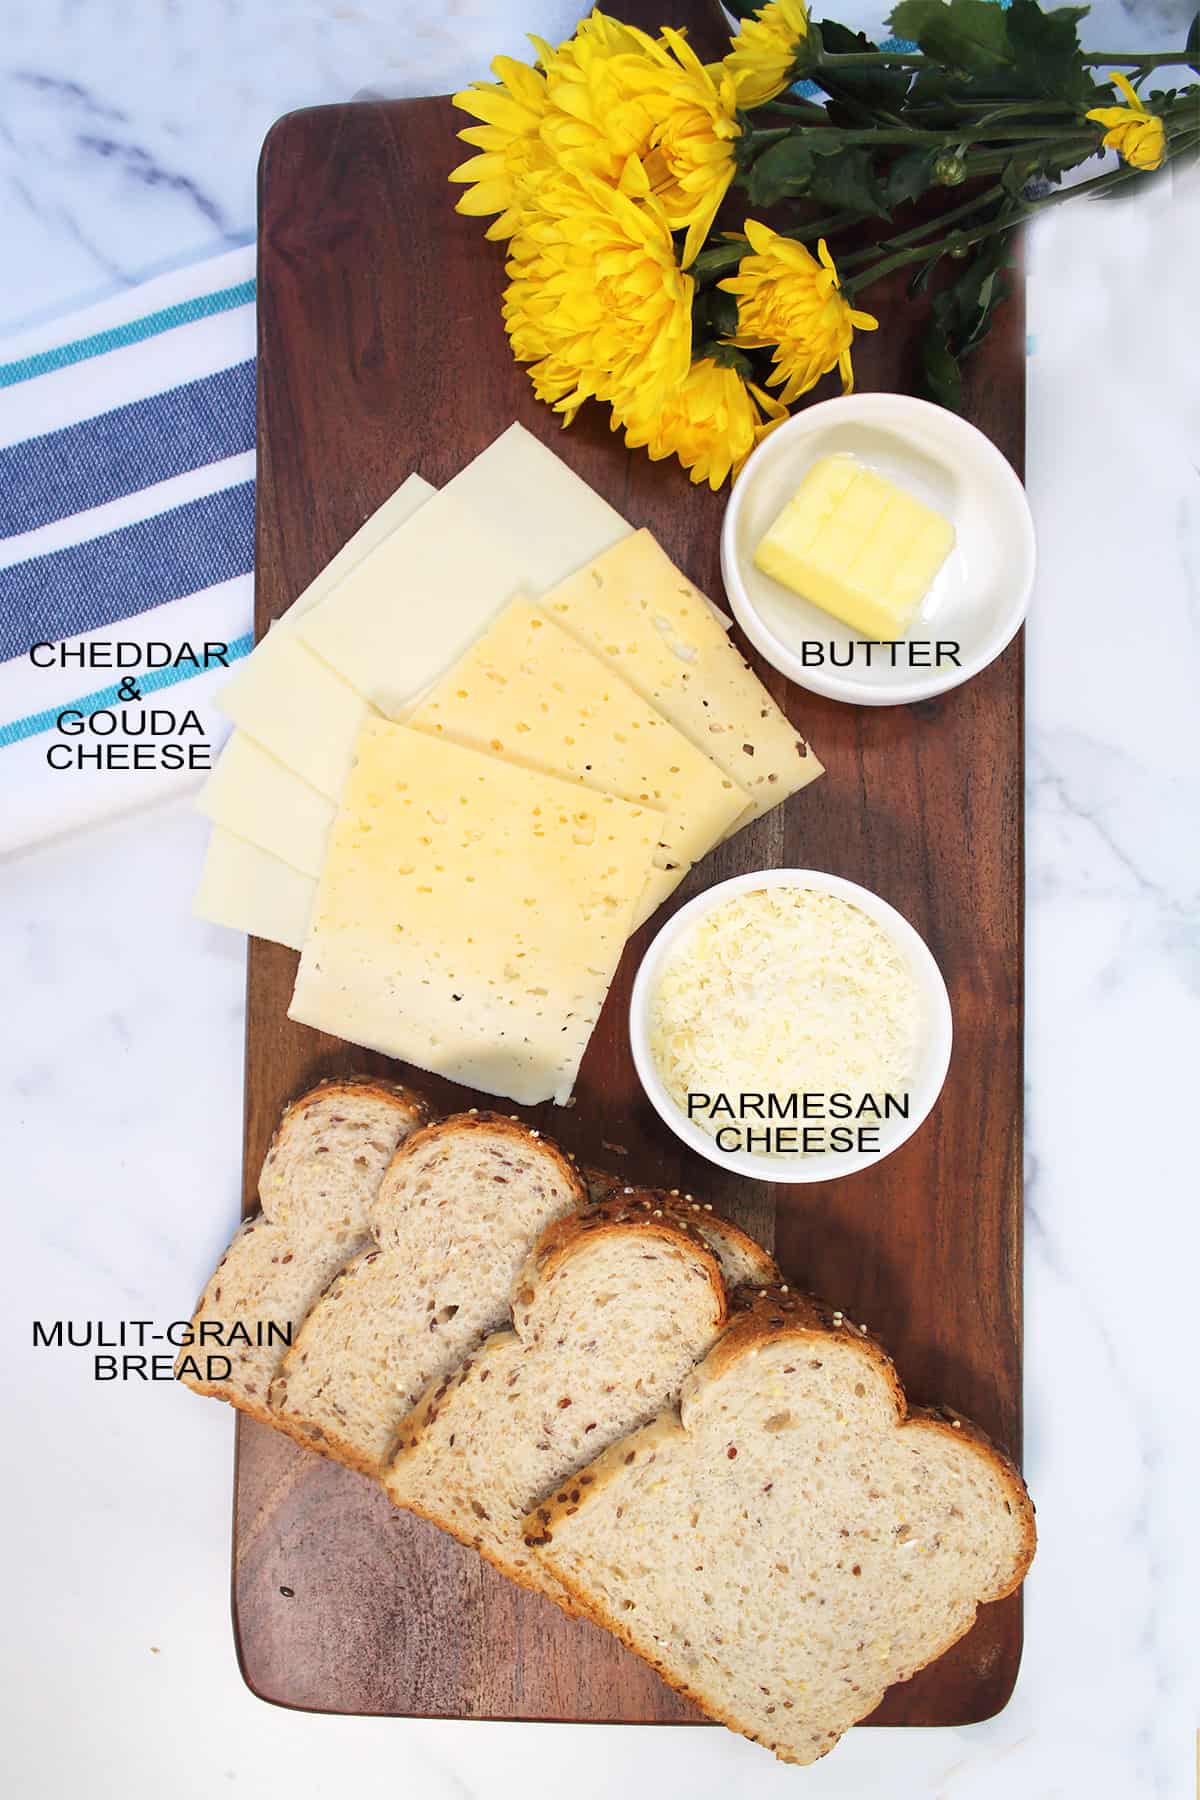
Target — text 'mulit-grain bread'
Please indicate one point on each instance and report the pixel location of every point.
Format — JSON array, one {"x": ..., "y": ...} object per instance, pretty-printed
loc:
[
  {"x": 325, "y": 1162},
  {"x": 454, "y": 1218},
  {"x": 613, "y": 1308},
  {"x": 794, "y": 1539}
]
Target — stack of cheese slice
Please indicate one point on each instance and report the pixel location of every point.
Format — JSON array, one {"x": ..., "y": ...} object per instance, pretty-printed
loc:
[{"x": 475, "y": 755}]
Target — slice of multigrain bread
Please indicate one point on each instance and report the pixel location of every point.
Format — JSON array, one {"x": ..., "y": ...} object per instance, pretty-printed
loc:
[
  {"x": 613, "y": 1308},
  {"x": 325, "y": 1162},
  {"x": 794, "y": 1539},
  {"x": 455, "y": 1216}
]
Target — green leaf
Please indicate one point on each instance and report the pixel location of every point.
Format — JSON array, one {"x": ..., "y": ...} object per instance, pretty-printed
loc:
[
  {"x": 714, "y": 316},
  {"x": 943, "y": 100},
  {"x": 875, "y": 89},
  {"x": 998, "y": 288},
  {"x": 1047, "y": 49},
  {"x": 911, "y": 17},
  {"x": 962, "y": 311},
  {"x": 920, "y": 280},
  {"x": 910, "y": 175},
  {"x": 720, "y": 258},
  {"x": 937, "y": 103},
  {"x": 1192, "y": 41},
  {"x": 727, "y": 357},
  {"x": 939, "y": 369},
  {"x": 785, "y": 168},
  {"x": 1016, "y": 176},
  {"x": 847, "y": 179},
  {"x": 965, "y": 34}
]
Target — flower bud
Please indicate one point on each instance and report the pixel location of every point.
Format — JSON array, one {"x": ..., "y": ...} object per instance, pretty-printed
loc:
[{"x": 950, "y": 169}]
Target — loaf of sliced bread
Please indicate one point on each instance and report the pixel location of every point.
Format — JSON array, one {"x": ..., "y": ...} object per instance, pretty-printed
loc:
[
  {"x": 456, "y": 1215},
  {"x": 324, "y": 1165},
  {"x": 613, "y": 1308},
  {"x": 793, "y": 1539}
]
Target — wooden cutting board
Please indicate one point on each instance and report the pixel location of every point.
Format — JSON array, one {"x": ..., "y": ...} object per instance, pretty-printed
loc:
[{"x": 381, "y": 351}]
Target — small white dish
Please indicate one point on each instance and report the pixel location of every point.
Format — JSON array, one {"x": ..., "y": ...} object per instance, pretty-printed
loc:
[
  {"x": 980, "y": 595},
  {"x": 936, "y": 1035}
]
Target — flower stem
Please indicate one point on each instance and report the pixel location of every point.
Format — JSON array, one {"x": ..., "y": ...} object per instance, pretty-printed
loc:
[
  {"x": 913, "y": 59},
  {"x": 1018, "y": 216},
  {"x": 810, "y": 228},
  {"x": 900, "y": 59},
  {"x": 943, "y": 140},
  {"x": 923, "y": 231},
  {"x": 797, "y": 109},
  {"x": 1142, "y": 62}
]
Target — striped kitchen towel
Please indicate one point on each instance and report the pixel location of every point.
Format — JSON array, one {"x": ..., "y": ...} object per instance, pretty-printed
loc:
[{"x": 126, "y": 545}]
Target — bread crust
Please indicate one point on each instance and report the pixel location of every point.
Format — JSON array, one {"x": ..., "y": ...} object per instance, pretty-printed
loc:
[
  {"x": 377, "y": 1085},
  {"x": 695, "y": 1218},
  {"x": 649, "y": 1212},
  {"x": 761, "y": 1317},
  {"x": 354, "y": 1087},
  {"x": 503, "y": 1125},
  {"x": 316, "y": 1437}
]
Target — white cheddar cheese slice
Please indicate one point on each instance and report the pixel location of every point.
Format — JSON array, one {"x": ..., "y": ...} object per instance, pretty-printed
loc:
[
  {"x": 396, "y": 511},
  {"x": 515, "y": 519},
  {"x": 284, "y": 696},
  {"x": 531, "y": 693},
  {"x": 636, "y": 611},
  {"x": 294, "y": 706},
  {"x": 470, "y": 914},
  {"x": 248, "y": 890},
  {"x": 253, "y": 795},
  {"x": 519, "y": 488}
]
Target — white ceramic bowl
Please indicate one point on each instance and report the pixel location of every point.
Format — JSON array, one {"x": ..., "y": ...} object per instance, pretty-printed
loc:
[
  {"x": 935, "y": 1037},
  {"x": 981, "y": 593}
]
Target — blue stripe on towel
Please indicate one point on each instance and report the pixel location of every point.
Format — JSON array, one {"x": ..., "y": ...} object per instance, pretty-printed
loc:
[
  {"x": 134, "y": 331},
  {"x": 35, "y": 723},
  {"x": 127, "y": 572},
  {"x": 123, "y": 451}
]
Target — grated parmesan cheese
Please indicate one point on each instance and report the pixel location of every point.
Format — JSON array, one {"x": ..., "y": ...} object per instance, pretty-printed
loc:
[{"x": 784, "y": 992}]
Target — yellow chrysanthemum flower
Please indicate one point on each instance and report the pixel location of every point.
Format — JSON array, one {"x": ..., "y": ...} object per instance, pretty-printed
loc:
[
  {"x": 597, "y": 39},
  {"x": 511, "y": 150},
  {"x": 640, "y": 112},
  {"x": 791, "y": 301},
  {"x": 1133, "y": 131},
  {"x": 765, "y": 51},
  {"x": 711, "y": 421},
  {"x": 595, "y": 120},
  {"x": 689, "y": 159},
  {"x": 596, "y": 300}
]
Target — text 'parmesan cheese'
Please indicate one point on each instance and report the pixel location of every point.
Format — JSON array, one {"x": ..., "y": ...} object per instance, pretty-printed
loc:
[{"x": 783, "y": 992}]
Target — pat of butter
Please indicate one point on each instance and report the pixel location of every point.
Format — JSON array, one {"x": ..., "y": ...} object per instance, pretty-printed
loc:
[{"x": 857, "y": 546}]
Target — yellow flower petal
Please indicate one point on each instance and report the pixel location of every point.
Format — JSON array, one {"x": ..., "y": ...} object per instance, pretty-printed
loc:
[
  {"x": 485, "y": 197},
  {"x": 711, "y": 421},
  {"x": 1124, "y": 86},
  {"x": 765, "y": 51},
  {"x": 597, "y": 302},
  {"x": 513, "y": 155},
  {"x": 1134, "y": 132},
  {"x": 790, "y": 302},
  {"x": 478, "y": 168},
  {"x": 615, "y": 93}
]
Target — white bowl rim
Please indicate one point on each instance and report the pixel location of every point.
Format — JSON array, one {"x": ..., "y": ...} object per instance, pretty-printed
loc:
[
  {"x": 828, "y": 1165},
  {"x": 846, "y": 687}
]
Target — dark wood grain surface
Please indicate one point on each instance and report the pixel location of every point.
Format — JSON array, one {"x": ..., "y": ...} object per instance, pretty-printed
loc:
[{"x": 381, "y": 351}]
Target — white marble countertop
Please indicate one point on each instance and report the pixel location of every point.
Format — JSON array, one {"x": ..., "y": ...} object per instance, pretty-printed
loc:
[{"x": 129, "y": 131}]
